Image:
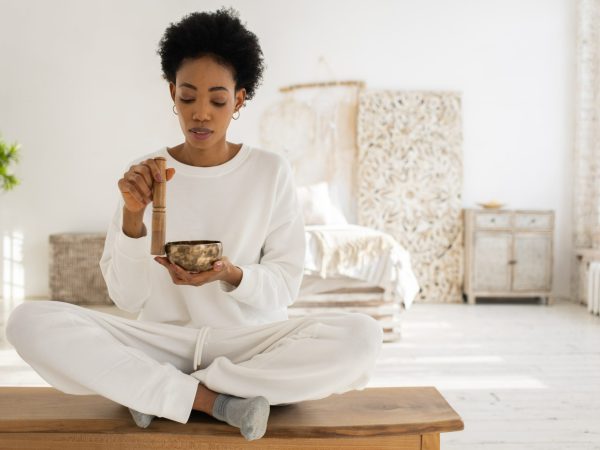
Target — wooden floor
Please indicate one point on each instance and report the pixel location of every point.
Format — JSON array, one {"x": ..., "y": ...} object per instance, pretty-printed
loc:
[{"x": 521, "y": 376}]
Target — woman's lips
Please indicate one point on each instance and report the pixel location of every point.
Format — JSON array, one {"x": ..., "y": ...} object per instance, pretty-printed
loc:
[{"x": 201, "y": 136}]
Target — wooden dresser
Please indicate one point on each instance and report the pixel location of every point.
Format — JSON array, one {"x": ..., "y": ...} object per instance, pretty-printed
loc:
[{"x": 508, "y": 254}]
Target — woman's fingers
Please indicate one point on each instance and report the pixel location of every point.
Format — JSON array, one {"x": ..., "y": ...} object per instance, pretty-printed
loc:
[
  {"x": 142, "y": 173},
  {"x": 154, "y": 170},
  {"x": 130, "y": 191},
  {"x": 177, "y": 270},
  {"x": 198, "y": 279},
  {"x": 181, "y": 276},
  {"x": 137, "y": 184},
  {"x": 172, "y": 272},
  {"x": 170, "y": 173},
  {"x": 134, "y": 189}
]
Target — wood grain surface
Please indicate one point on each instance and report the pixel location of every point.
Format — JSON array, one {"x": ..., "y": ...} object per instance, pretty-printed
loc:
[
  {"x": 157, "y": 441},
  {"x": 381, "y": 416}
]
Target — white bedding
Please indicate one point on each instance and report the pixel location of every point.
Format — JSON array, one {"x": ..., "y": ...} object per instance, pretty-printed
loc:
[
  {"x": 355, "y": 256},
  {"x": 314, "y": 284}
]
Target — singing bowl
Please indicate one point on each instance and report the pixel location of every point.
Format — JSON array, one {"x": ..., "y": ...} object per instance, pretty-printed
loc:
[{"x": 194, "y": 256}]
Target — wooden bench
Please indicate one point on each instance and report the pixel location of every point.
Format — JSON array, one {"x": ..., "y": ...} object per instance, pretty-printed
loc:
[{"x": 376, "y": 418}]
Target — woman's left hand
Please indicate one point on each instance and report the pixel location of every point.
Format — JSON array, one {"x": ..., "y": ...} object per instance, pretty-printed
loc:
[{"x": 222, "y": 270}]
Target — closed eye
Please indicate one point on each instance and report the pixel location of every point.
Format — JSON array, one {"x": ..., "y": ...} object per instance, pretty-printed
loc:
[{"x": 190, "y": 100}]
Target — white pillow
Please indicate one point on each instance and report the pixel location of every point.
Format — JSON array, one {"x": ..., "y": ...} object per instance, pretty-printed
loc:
[{"x": 317, "y": 207}]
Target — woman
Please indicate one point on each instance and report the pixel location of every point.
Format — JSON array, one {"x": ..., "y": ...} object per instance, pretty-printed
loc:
[{"x": 219, "y": 341}]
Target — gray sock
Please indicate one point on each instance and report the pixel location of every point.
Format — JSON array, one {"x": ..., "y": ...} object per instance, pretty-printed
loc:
[
  {"x": 250, "y": 415},
  {"x": 141, "y": 420}
]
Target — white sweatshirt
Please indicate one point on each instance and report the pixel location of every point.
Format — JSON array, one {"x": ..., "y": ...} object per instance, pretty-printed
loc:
[{"x": 249, "y": 204}]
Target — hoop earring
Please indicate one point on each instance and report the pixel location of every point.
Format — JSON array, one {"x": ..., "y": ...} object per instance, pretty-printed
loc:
[
  {"x": 174, "y": 110},
  {"x": 238, "y": 115}
]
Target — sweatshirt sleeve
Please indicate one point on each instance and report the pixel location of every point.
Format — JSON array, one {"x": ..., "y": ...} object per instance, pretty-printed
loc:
[
  {"x": 274, "y": 282},
  {"x": 125, "y": 265}
]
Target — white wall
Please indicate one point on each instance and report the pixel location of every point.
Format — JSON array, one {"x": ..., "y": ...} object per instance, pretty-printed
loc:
[{"x": 80, "y": 88}]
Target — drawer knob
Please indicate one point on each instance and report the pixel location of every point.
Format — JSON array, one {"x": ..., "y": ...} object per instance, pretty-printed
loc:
[
  {"x": 532, "y": 220},
  {"x": 512, "y": 261},
  {"x": 493, "y": 220}
]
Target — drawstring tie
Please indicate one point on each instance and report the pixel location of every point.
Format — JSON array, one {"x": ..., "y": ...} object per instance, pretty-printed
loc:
[{"x": 202, "y": 334}]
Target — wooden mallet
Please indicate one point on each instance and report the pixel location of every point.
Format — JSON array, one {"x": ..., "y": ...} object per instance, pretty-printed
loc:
[{"x": 159, "y": 209}]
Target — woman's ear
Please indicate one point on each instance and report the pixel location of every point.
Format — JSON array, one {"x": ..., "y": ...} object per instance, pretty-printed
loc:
[
  {"x": 172, "y": 90},
  {"x": 240, "y": 98}
]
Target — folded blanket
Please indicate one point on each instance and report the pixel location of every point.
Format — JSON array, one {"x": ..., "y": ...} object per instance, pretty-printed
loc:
[{"x": 364, "y": 254}]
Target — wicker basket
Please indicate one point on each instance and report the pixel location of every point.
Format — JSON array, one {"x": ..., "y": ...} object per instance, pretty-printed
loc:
[{"x": 75, "y": 275}]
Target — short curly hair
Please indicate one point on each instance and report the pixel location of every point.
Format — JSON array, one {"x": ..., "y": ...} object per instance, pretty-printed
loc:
[{"x": 218, "y": 34}]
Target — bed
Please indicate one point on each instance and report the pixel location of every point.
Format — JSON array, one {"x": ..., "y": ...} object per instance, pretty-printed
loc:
[
  {"x": 351, "y": 268},
  {"x": 393, "y": 162}
]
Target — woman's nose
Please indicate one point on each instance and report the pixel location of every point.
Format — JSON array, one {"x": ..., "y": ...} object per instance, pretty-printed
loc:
[{"x": 201, "y": 113}]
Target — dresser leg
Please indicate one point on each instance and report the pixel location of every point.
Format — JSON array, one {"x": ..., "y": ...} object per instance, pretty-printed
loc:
[{"x": 471, "y": 299}]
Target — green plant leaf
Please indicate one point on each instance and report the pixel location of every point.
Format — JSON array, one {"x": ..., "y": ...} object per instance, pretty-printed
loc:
[{"x": 8, "y": 154}]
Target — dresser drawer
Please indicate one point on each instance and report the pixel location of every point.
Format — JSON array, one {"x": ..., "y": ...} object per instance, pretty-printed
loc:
[
  {"x": 492, "y": 220},
  {"x": 533, "y": 221}
]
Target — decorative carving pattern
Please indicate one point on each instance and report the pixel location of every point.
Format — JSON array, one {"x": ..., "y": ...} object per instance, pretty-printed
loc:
[{"x": 410, "y": 181}]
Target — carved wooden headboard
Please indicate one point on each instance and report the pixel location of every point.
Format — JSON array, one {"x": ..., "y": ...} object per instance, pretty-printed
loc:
[{"x": 410, "y": 181}]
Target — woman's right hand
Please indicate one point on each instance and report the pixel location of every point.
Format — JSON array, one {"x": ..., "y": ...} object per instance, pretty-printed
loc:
[{"x": 137, "y": 184}]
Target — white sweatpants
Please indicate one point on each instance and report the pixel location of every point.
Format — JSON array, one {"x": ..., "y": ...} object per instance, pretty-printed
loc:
[{"x": 155, "y": 368}]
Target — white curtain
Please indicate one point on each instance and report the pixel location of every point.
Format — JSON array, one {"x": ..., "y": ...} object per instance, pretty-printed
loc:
[
  {"x": 587, "y": 132},
  {"x": 586, "y": 179}
]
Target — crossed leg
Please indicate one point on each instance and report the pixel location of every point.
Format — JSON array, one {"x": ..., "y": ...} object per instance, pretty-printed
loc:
[{"x": 162, "y": 369}]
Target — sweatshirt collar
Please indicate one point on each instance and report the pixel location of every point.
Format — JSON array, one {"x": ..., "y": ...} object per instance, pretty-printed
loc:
[{"x": 206, "y": 172}]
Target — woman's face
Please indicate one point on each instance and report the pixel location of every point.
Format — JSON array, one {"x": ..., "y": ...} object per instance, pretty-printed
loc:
[{"x": 205, "y": 100}]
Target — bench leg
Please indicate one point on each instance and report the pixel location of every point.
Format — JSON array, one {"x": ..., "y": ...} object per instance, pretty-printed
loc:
[{"x": 430, "y": 441}]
